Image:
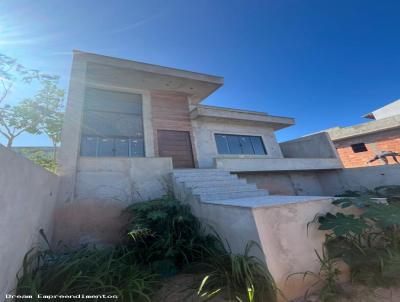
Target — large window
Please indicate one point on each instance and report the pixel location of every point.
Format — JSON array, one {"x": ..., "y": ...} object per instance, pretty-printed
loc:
[
  {"x": 112, "y": 124},
  {"x": 239, "y": 144}
]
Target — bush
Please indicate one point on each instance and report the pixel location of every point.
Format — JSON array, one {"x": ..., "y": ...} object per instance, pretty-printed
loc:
[
  {"x": 166, "y": 235},
  {"x": 369, "y": 243},
  {"x": 88, "y": 271}
]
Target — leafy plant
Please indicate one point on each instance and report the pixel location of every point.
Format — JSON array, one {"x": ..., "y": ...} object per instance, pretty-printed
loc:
[
  {"x": 88, "y": 271},
  {"x": 369, "y": 243},
  {"x": 166, "y": 235},
  {"x": 41, "y": 158},
  {"x": 237, "y": 277}
]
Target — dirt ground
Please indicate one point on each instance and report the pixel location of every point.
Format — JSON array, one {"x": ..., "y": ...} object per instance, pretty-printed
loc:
[{"x": 182, "y": 288}]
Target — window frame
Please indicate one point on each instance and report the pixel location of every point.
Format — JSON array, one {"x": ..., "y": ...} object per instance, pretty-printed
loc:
[
  {"x": 361, "y": 147},
  {"x": 247, "y": 136},
  {"x": 114, "y": 138}
]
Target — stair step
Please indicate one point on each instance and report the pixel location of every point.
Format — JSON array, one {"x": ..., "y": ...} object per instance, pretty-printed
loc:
[
  {"x": 195, "y": 178},
  {"x": 231, "y": 195},
  {"x": 209, "y": 183},
  {"x": 200, "y": 173},
  {"x": 225, "y": 188}
]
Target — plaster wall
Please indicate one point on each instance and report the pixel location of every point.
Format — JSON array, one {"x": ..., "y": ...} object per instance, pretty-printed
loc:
[
  {"x": 277, "y": 223},
  {"x": 316, "y": 145},
  {"x": 27, "y": 201},
  {"x": 206, "y": 148},
  {"x": 286, "y": 183},
  {"x": 104, "y": 187},
  {"x": 359, "y": 179}
]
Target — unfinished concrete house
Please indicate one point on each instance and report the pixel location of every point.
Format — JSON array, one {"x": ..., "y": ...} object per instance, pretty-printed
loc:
[{"x": 358, "y": 144}]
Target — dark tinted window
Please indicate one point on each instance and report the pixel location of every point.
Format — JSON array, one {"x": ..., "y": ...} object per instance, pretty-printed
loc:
[
  {"x": 357, "y": 148},
  {"x": 112, "y": 124},
  {"x": 239, "y": 144}
]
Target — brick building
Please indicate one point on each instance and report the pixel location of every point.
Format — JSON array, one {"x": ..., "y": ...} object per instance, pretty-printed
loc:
[{"x": 359, "y": 143}]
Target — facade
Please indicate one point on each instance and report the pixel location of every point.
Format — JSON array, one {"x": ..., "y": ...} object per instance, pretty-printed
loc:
[
  {"x": 129, "y": 124},
  {"x": 357, "y": 145}
]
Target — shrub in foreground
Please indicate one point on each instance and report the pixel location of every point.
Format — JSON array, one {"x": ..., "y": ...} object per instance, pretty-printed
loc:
[{"x": 87, "y": 270}]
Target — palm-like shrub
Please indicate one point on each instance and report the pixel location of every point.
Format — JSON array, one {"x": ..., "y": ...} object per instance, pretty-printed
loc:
[{"x": 88, "y": 271}]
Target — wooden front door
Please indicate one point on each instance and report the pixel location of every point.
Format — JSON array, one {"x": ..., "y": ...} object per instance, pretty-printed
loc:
[{"x": 176, "y": 144}]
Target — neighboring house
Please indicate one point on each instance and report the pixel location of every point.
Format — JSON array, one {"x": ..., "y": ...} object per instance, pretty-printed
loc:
[
  {"x": 358, "y": 144},
  {"x": 126, "y": 120}
]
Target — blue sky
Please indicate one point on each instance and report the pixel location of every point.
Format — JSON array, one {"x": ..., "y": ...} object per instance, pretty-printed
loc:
[{"x": 325, "y": 63}]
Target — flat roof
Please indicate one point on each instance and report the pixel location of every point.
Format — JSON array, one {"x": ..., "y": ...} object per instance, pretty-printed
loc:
[
  {"x": 198, "y": 85},
  {"x": 215, "y": 112}
]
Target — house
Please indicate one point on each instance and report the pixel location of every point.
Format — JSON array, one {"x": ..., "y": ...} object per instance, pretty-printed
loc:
[
  {"x": 358, "y": 144},
  {"x": 128, "y": 125}
]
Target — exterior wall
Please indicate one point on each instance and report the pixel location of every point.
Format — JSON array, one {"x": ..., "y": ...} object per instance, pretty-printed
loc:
[
  {"x": 286, "y": 183},
  {"x": 381, "y": 141},
  {"x": 104, "y": 187},
  {"x": 204, "y": 130},
  {"x": 278, "y": 226},
  {"x": 27, "y": 199},
  {"x": 312, "y": 146},
  {"x": 170, "y": 111},
  {"x": 359, "y": 179}
]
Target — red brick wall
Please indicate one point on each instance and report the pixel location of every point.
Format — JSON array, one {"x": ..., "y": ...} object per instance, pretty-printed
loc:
[{"x": 382, "y": 141}]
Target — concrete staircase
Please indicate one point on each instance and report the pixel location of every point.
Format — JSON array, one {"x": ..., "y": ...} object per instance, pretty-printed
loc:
[{"x": 213, "y": 185}]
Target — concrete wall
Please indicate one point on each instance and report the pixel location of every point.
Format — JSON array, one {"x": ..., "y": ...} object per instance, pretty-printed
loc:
[
  {"x": 104, "y": 187},
  {"x": 359, "y": 179},
  {"x": 27, "y": 201},
  {"x": 204, "y": 130},
  {"x": 287, "y": 183},
  {"x": 316, "y": 145},
  {"x": 247, "y": 163},
  {"x": 278, "y": 225}
]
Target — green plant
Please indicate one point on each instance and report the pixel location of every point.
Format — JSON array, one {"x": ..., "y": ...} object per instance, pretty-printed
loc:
[
  {"x": 327, "y": 279},
  {"x": 368, "y": 243},
  {"x": 85, "y": 271},
  {"x": 237, "y": 277},
  {"x": 166, "y": 235}
]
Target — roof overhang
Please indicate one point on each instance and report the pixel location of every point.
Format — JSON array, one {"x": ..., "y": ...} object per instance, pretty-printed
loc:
[
  {"x": 261, "y": 118},
  {"x": 122, "y": 73}
]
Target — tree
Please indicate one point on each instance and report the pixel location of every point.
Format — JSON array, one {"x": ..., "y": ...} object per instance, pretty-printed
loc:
[
  {"x": 27, "y": 115},
  {"x": 51, "y": 100}
]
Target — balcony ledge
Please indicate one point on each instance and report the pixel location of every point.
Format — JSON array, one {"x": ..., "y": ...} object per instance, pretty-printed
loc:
[{"x": 264, "y": 164}]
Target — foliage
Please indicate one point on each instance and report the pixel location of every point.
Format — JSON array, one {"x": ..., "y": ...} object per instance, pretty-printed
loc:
[
  {"x": 51, "y": 99},
  {"x": 32, "y": 115},
  {"x": 87, "y": 270},
  {"x": 327, "y": 279},
  {"x": 369, "y": 243},
  {"x": 392, "y": 193},
  {"x": 166, "y": 235},
  {"x": 41, "y": 158},
  {"x": 237, "y": 277}
]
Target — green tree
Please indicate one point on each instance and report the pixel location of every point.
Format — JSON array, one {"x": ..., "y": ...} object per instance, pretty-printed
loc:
[
  {"x": 27, "y": 115},
  {"x": 23, "y": 117},
  {"x": 51, "y": 100}
]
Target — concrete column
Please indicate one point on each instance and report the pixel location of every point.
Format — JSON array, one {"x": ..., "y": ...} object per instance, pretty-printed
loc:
[{"x": 71, "y": 133}]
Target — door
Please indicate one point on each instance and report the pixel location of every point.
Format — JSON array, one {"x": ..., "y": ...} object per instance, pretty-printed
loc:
[{"x": 176, "y": 144}]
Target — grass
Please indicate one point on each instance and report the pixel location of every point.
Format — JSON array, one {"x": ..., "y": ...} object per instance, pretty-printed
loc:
[{"x": 87, "y": 270}]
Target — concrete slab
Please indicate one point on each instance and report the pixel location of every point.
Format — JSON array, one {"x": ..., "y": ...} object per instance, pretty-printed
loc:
[{"x": 268, "y": 201}]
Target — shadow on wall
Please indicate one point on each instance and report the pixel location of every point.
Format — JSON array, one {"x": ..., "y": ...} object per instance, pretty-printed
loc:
[{"x": 27, "y": 201}]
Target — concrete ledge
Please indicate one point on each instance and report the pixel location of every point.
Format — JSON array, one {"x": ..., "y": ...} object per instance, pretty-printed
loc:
[
  {"x": 259, "y": 164},
  {"x": 213, "y": 112}
]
